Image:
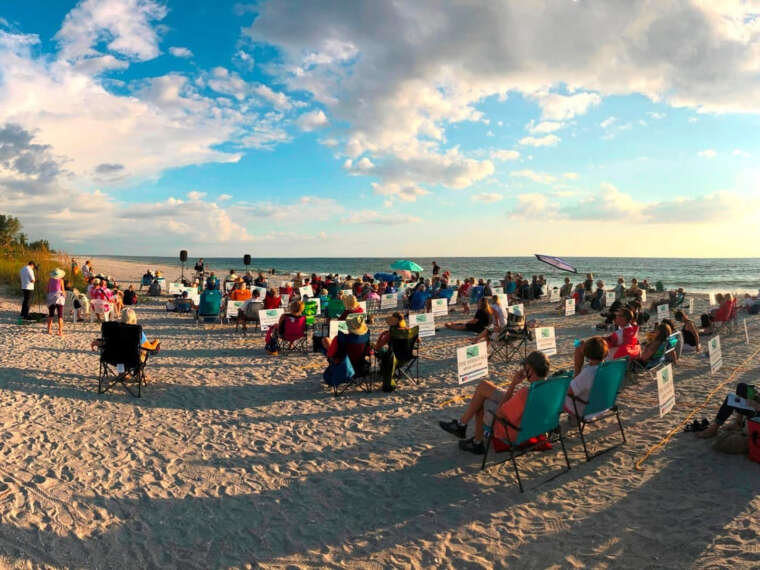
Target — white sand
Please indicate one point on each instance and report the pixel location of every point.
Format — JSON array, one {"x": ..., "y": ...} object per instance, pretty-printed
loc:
[{"x": 234, "y": 458}]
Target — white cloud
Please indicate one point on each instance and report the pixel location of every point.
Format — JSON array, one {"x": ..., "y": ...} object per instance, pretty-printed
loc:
[
  {"x": 194, "y": 195},
  {"x": 540, "y": 177},
  {"x": 180, "y": 52},
  {"x": 530, "y": 205},
  {"x": 544, "y": 127},
  {"x": 656, "y": 116},
  {"x": 224, "y": 197},
  {"x": 557, "y": 107},
  {"x": 405, "y": 192},
  {"x": 373, "y": 217},
  {"x": 570, "y": 175},
  {"x": 607, "y": 122},
  {"x": 740, "y": 153},
  {"x": 548, "y": 140},
  {"x": 487, "y": 197},
  {"x": 504, "y": 154},
  {"x": 707, "y": 153},
  {"x": 312, "y": 120}
]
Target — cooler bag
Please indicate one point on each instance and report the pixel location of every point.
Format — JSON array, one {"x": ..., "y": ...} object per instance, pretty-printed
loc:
[{"x": 753, "y": 429}]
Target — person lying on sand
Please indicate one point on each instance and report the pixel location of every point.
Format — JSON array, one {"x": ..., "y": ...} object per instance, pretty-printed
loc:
[{"x": 489, "y": 400}]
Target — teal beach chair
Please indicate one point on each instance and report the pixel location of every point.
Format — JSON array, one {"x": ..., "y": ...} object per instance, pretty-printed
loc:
[
  {"x": 602, "y": 401},
  {"x": 541, "y": 417}
]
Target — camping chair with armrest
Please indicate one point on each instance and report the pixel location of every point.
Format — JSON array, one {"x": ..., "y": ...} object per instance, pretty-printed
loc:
[
  {"x": 511, "y": 341},
  {"x": 122, "y": 359},
  {"x": 727, "y": 325},
  {"x": 293, "y": 338},
  {"x": 358, "y": 350},
  {"x": 666, "y": 353},
  {"x": 209, "y": 307},
  {"x": 405, "y": 345},
  {"x": 602, "y": 401},
  {"x": 540, "y": 417},
  {"x": 100, "y": 309}
]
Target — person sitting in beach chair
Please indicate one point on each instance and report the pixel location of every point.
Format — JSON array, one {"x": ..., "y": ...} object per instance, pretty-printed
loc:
[
  {"x": 272, "y": 300},
  {"x": 419, "y": 298},
  {"x": 624, "y": 340},
  {"x": 348, "y": 356},
  {"x": 676, "y": 298},
  {"x": 183, "y": 303},
  {"x": 597, "y": 299},
  {"x": 491, "y": 400},
  {"x": 689, "y": 332},
  {"x": 290, "y": 332},
  {"x": 351, "y": 306},
  {"x": 240, "y": 291},
  {"x": 210, "y": 303},
  {"x": 478, "y": 323},
  {"x": 595, "y": 351},
  {"x": 250, "y": 311},
  {"x": 634, "y": 291}
]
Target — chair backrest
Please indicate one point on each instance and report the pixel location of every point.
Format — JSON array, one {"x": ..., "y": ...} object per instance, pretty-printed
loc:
[
  {"x": 210, "y": 303},
  {"x": 373, "y": 306},
  {"x": 310, "y": 312},
  {"x": 335, "y": 308},
  {"x": 607, "y": 381},
  {"x": 403, "y": 342},
  {"x": 294, "y": 328},
  {"x": 542, "y": 408},
  {"x": 99, "y": 306},
  {"x": 356, "y": 347},
  {"x": 121, "y": 344}
]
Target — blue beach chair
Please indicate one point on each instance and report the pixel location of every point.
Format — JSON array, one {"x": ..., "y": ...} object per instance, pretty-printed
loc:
[
  {"x": 540, "y": 417},
  {"x": 602, "y": 401}
]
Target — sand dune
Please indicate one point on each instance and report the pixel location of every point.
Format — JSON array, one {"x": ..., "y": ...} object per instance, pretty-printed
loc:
[{"x": 235, "y": 458}]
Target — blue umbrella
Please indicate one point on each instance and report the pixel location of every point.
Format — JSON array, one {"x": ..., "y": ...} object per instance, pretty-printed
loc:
[
  {"x": 405, "y": 264},
  {"x": 556, "y": 262}
]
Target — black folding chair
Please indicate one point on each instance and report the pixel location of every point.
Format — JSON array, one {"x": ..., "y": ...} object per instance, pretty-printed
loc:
[
  {"x": 510, "y": 343},
  {"x": 122, "y": 360},
  {"x": 405, "y": 345}
]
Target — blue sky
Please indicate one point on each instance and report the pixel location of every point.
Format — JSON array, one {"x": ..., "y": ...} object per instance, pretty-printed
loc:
[{"x": 367, "y": 128}]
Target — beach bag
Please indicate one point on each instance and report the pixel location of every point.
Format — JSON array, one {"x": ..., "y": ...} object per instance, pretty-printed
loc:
[
  {"x": 753, "y": 432},
  {"x": 338, "y": 373},
  {"x": 272, "y": 344}
]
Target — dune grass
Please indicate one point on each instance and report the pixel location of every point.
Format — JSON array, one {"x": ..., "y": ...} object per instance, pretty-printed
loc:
[{"x": 10, "y": 267}]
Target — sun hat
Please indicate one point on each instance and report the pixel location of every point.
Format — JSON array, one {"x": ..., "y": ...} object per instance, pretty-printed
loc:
[
  {"x": 57, "y": 273},
  {"x": 356, "y": 324}
]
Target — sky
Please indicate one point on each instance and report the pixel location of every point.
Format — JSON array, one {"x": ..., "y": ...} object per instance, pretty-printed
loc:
[{"x": 362, "y": 128}]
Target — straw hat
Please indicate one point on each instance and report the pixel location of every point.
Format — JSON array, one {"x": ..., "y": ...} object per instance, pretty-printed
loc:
[
  {"x": 356, "y": 324},
  {"x": 57, "y": 273}
]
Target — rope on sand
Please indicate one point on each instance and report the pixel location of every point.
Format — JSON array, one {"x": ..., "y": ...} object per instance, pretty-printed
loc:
[{"x": 701, "y": 406}]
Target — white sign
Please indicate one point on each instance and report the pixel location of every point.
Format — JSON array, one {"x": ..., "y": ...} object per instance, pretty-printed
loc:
[
  {"x": 284, "y": 300},
  {"x": 262, "y": 292},
  {"x": 162, "y": 283},
  {"x": 363, "y": 305},
  {"x": 569, "y": 307},
  {"x": 609, "y": 298},
  {"x": 454, "y": 297},
  {"x": 347, "y": 292},
  {"x": 711, "y": 299},
  {"x": 666, "y": 394},
  {"x": 643, "y": 296},
  {"x": 388, "y": 301},
  {"x": 746, "y": 332},
  {"x": 716, "y": 358},
  {"x": 546, "y": 342},
  {"x": 232, "y": 308},
  {"x": 691, "y": 305},
  {"x": 439, "y": 306},
  {"x": 503, "y": 299},
  {"x": 335, "y": 326},
  {"x": 229, "y": 286},
  {"x": 472, "y": 362},
  {"x": 554, "y": 295},
  {"x": 269, "y": 317},
  {"x": 516, "y": 309},
  {"x": 426, "y": 322},
  {"x": 175, "y": 288},
  {"x": 306, "y": 291},
  {"x": 663, "y": 312}
]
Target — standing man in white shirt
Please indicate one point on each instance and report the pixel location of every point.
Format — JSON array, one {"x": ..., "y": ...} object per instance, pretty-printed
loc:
[{"x": 27, "y": 287}]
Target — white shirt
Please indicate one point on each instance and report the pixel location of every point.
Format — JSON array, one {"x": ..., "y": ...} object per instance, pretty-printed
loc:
[
  {"x": 27, "y": 278},
  {"x": 499, "y": 316},
  {"x": 581, "y": 386}
]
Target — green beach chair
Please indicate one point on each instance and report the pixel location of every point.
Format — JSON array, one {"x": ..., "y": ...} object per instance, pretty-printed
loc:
[
  {"x": 602, "y": 401},
  {"x": 540, "y": 417}
]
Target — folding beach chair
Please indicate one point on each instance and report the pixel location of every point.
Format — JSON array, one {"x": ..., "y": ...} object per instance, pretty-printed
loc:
[
  {"x": 122, "y": 360},
  {"x": 405, "y": 345},
  {"x": 511, "y": 341},
  {"x": 602, "y": 401},
  {"x": 293, "y": 338},
  {"x": 540, "y": 417},
  {"x": 358, "y": 350},
  {"x": 727, "y": 326},
  {"x": 210, "y": 307},
  {"x": 667, "y": 353},
  {"x": 100, "y": 309}
]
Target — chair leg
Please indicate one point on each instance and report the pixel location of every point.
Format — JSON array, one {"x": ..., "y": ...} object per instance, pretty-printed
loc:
[
  {"x": 583, "y": 439},
  {"x": 514, "y": 464},
  {"x": 620, "y": 424},
  {"x": 562, "y": 443},
  {"x": 485, "y": 454}
]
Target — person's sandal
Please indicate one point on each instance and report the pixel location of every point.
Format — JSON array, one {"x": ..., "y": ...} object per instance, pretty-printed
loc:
[{"x": 472, "y": 447}]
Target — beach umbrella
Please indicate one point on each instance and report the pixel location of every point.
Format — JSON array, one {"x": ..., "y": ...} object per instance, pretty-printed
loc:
[
  {"x": 405, "y": 264},
  {"x": 560, "y": 264}
]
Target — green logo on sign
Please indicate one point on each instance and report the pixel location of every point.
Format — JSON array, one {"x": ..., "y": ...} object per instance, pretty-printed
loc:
[
  {"x": 665, "y": 375},
  {"x": 421, "y": 318},
  {"x": 472, "y": 351},
  {"x": 714, "y": 344},
  {"x": 546, "y": 333},
  {"x": 272, "y": 313}
]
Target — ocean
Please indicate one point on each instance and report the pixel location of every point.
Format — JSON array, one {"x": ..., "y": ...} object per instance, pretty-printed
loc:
[{"x": 694, "y": 275}]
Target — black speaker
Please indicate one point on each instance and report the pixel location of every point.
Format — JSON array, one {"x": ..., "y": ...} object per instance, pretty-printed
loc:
[
  {"x": 247, "y": 259},
  {"x": 183, "y": 255}
]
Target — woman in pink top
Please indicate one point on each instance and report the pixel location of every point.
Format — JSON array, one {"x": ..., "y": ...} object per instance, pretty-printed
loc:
[{"x": 56, "y": 297}]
